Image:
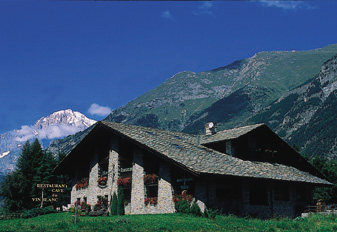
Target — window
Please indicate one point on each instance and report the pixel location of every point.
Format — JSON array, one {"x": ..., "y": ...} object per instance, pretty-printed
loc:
[
  {"x": 258, "y": 193},
  {"x": 281, "y": 192},
  {"x": 152, "y": 191}
]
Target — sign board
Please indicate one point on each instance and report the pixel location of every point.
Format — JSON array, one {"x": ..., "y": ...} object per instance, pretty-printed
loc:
[
  {"x": 185, "y": 179},
  {"x": 184, "y": 187},
  {"x": 125, "y": 169},
  {"x": 55, "y": 189}
]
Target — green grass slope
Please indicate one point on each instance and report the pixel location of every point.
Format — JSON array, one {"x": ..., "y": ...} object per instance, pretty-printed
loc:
[{"x": 167, "y": 222}]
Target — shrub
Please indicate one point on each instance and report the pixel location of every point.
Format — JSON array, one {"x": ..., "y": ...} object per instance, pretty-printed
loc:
[
  {"x": 114, "y": 205},
  {"x": 37, "y": 211},
  {"x": 182, "y": 206},
  {"x": 72, "y": 209},
  {"x": 211, "y": 213},
  {"x": 195, "y": 209},
  {"x": 120, "y": 202}
]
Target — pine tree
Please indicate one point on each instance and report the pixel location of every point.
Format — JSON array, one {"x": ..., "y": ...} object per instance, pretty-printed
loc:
[
  {"x": 114, "y": 205},
  {"x": 34, "y": 166},
  {"x": 120, "y": 202}
]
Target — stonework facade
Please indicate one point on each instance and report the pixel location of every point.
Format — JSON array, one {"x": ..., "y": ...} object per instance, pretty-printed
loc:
[
  {"x": 240, "y": 171},
  {"x": 137, "y": 205}
]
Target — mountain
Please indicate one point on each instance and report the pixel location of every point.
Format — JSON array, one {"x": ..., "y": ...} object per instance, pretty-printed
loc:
[
  {"x": 306, "y": 116},
  {"x": 46, "y": 129},
  {"x": 180, "y": 100},
  {"x": 228, "y": 95}
]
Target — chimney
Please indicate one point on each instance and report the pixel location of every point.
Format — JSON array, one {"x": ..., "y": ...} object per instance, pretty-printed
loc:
[{"x": 210, "y": 128}]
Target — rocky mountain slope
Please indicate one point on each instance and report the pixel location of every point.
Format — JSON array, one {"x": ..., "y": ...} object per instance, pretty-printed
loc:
[
  {"x": 306, "y": 116},
  {"x": 174, "y": 104},
  {"x": 56, "y": 125},
  {"x": 229, "y": 95}
]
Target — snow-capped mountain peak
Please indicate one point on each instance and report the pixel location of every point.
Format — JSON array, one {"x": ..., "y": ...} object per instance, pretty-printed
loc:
[
  {"x": 64, "y": 117},
  {"x": 57, "y": 125}
]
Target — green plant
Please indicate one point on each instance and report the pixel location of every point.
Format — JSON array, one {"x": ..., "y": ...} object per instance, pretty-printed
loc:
[
  {"x": 114, "y": 205},
  {"x": 195, "y": 209},
  {"x": 120, "y": 202},
  {"x": 37, "y": 211},
  {"x": 211, "y": 213},
  {"x": 72, "y": 209},
  {"x": 182, "y": 206}
]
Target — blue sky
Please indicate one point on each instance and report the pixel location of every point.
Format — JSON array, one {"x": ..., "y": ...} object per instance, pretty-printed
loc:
[{"x": 72, "y": 54}]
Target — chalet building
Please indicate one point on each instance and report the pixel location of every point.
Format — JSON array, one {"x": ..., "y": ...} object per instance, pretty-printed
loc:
[{"x": 244, "y": 171}]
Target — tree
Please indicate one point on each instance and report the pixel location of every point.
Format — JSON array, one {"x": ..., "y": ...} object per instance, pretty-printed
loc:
[
  {"x": 19, "y": 187},
  {"x": 329, "y": 169},
  {"x": 120, "y": 202}
]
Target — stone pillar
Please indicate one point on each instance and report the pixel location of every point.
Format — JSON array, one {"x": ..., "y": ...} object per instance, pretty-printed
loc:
[
  {"x": 93, "y": 176},
  {"x": 165, "y": 196},
  {"x": 113, "y": 167},
  {"x": 137, "y": 188}
]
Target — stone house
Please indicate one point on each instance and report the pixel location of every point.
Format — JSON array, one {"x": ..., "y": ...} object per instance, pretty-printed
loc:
[{"x": 244, "y": 171}]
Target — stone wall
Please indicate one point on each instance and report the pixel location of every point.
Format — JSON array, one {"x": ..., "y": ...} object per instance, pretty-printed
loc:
[
  {"x": 137, "y": 190},
  {"x": 93, "y": 190},
  {"x": 165, "y": 190}
]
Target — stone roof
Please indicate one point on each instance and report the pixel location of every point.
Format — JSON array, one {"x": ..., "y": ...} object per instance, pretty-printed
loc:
[
  {"x": 229, "y": 134},
  {"x": 184, "y": 150}
]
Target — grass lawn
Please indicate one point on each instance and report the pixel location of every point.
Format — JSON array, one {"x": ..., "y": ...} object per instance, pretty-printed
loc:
[{"x": 167, "y": 222}]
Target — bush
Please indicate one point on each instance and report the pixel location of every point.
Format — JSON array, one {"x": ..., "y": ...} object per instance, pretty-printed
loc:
[
  {"x": 37, "y": 211},
  {"x": 211, "y": 213},
  {"x": 182, "y": 206},
  {"x": 72, "y": 209},
  {"x": 114, "y": 205},
  {"x": 120, "y": 202},
  {"x": 195, "y": 209}
]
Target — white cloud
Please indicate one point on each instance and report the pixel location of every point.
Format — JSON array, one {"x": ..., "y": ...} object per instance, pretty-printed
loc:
[
  {"x": 50, "y": 132},
  {"x": 166, "y": 14},
  {"x": 204, "y": 8},
  {"x": 96, "y": 109},
  {"x": 286, "y": 4},
  {"x": 25, "y": 133}
]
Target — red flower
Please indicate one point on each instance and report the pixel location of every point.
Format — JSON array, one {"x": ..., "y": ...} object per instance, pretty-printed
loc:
[
  {"x": 124, "y": 181},
  {"x": 82, "y": 183},
  {"x": 150, "y": 178},
  {"x": 183, "y": 196},
  {"x": 151, "y": 200}
]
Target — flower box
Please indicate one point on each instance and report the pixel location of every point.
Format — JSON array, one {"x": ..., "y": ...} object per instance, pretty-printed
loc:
[
  {"x": 150, "y": 179},
  {"x": 151, "y": 200},
  {"x": 82, "y": 183},
  {"x": 124, "y": 181},
  {"x": 102, "y": 181}
]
